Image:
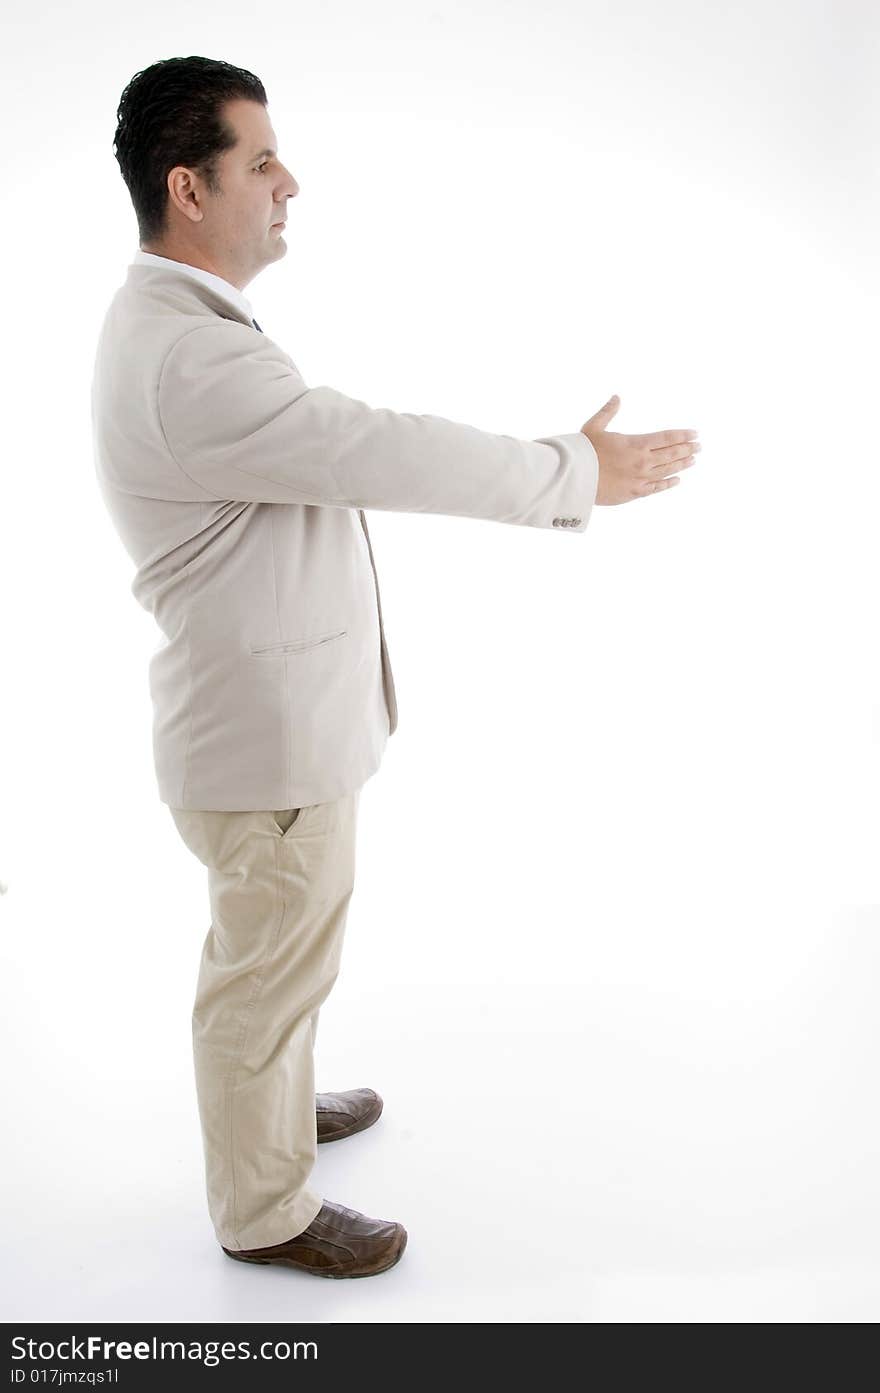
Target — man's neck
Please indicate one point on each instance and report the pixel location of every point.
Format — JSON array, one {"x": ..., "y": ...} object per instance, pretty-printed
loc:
[{"x": 194, "y": 259}]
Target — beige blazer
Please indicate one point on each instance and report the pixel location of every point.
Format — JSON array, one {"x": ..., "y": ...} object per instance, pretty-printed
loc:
[{"x": 238, "y": 492}]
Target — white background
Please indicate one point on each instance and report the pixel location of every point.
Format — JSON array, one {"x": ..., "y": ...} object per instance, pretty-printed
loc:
[{"x": 612, "y": 957}]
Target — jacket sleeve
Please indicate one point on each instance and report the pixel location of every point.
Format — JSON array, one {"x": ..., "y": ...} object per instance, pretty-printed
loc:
[{"x": 241, "y": 423}]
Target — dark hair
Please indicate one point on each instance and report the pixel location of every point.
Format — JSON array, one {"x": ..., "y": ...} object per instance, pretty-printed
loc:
[{"x": 170, "y": 114}]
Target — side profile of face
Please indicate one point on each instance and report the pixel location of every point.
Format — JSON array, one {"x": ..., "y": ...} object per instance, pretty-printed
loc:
[{"x": 233, "y": 232}]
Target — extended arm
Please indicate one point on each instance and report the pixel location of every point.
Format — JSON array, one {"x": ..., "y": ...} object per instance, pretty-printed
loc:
[{"x": 242, "y": 424}]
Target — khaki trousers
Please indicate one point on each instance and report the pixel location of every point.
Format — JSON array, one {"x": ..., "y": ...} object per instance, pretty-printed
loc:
[{"x": 279, "y": 886}]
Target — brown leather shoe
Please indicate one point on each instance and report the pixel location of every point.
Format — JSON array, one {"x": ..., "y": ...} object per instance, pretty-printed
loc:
[
  {"x": 341, "y": 1114},
  {"x": 338, "y": 1242}
]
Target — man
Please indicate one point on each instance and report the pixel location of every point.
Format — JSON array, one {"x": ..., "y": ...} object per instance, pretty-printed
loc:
[{"x": 239, "y": 492}]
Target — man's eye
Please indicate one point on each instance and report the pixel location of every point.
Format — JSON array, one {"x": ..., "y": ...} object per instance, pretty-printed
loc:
[{"x": 262, "y": 166}]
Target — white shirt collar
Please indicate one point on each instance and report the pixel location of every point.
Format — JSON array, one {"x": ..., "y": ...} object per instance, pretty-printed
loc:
[{"x": 222, "y": 287}]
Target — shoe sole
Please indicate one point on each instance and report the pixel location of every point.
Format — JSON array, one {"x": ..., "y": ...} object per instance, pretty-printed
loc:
[
  {"x": 319, "y": 1271},
  {"x": 366, "y": 1121}
]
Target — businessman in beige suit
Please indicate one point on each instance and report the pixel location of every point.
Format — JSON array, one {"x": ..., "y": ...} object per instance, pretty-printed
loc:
[{"x": 239, "y": 493}]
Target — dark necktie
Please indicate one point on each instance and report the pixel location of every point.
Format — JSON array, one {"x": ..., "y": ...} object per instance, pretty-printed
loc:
[{"x": 256, "y": 326}]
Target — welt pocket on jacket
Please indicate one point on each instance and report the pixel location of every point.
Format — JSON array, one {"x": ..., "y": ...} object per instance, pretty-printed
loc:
[{"x": 294, "y": 645}]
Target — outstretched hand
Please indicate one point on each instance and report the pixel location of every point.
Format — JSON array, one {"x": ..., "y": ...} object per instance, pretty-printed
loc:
[{"x": 631, "y": 466}]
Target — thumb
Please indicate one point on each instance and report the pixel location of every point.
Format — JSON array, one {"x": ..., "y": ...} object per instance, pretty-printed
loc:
[{"x": 605, "y": 413}]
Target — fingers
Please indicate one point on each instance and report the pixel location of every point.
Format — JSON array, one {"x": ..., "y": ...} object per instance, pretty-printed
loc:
[
  {"x": 660, "y": 439},
  {"x": 663, "y": 476},
  {"x": 665, "y": 455},
  {"x": 654, "y": 486},
  {"x": 663, "y": 470}
]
